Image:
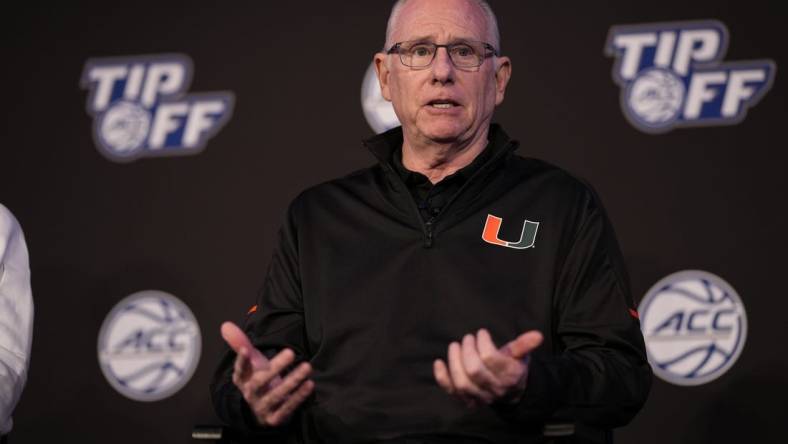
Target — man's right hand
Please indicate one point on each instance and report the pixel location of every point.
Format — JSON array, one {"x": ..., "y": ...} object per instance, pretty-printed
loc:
[{"x": 271, "y": 397}]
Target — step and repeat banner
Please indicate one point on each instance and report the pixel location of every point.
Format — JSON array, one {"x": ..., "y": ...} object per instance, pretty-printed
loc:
[{"x": 149, "y": 154}]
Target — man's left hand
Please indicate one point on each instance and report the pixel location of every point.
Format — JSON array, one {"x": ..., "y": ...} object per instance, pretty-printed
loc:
[{"x": 480, "y": 372}]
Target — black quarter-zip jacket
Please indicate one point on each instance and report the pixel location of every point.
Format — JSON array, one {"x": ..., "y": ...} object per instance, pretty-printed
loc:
[{"x": 371, "y": 293}]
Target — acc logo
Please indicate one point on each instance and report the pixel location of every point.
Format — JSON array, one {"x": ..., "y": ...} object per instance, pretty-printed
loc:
[
  {"x": 672, "y": 75},
  {"x": 149, "y": 346},
  {"x": 140, "y": 109},
  {"x": 378, "y": 111},
  {"x": 694, "y": 325}
]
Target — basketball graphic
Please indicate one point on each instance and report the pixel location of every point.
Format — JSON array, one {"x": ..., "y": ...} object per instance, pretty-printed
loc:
[
  {"x": 124, "y": 128},
  {"x": 149, "y": 345},
  {"x": 695, "y": 327},
  {"x": 655, "y": 97},
  {"x": 378, "y": 111}
]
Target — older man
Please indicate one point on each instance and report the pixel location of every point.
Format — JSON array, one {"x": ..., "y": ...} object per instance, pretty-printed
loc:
[{"x": 390, "y": 288}]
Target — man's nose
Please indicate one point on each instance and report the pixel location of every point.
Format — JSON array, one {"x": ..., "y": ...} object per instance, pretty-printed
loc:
[{"x": 442, "y": 67}]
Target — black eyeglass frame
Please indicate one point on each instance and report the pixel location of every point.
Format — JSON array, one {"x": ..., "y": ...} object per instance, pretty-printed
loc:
[{"x": 492, "y": 52}]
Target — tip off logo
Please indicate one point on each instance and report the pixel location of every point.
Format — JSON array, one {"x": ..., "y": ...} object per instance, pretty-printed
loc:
[
  {"x": 694, "y": 325},
  {"x": 140, "y": 107},
  {"x": 149, "y": 345},
  {"x": 672, "y": 75}
]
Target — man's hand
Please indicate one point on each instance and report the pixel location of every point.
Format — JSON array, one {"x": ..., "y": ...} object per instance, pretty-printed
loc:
[
  {"x": 479, "y": 372},
  {"x": 271, "y": 397}
]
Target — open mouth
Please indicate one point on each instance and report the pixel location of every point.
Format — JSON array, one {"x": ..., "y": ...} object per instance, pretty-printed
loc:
[{"x": 442, "y": 103}]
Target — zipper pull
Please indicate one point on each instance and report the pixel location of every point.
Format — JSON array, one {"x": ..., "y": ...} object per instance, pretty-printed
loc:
[{"x": 428, "y": 233}]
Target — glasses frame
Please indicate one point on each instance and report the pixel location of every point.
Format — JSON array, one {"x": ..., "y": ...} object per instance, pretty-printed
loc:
[{"x": 395, "y": 48}]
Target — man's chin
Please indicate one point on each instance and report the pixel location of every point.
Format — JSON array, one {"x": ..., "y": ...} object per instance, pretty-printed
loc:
[{"x": 444, "y": 133}]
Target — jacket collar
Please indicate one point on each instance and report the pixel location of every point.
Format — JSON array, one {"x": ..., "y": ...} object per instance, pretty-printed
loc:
[
  {"x": 477, "y": 189},
  {"x": 384, "y": 145}
]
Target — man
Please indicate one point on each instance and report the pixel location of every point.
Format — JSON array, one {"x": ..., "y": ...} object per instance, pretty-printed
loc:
[
  {"x": 16, "y": 317},
  {"x": 455, "y": 292}
]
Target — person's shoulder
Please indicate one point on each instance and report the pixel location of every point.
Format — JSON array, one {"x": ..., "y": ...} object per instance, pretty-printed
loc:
[
  {"x": 551, "y": 178},
  {"x": 567, "y": 190},
  {"x": 354, "y": 183}
]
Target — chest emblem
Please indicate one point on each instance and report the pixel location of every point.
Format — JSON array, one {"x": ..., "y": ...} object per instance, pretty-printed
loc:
[{"x": 492, "y": 227}]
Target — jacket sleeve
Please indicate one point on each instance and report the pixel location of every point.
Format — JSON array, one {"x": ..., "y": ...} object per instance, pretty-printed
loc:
[
  {"x": 597, "y": 373},
  {"x": 274, "y": 323},
  {"x": 16, "y": 316}
]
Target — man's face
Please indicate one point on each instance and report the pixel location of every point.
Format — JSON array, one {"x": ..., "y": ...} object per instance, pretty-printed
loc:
[{"x": 420, "y": 96}]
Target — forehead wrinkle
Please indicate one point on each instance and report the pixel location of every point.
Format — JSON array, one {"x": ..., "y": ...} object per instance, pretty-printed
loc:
[
  {"x": 467, "y": 33},
  {"x": 432, "y": 39},
  {"x": 470, "y": 18}
]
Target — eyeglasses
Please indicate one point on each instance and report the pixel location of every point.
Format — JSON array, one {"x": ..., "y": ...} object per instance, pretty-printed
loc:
[{"x": 419, "y": 54}]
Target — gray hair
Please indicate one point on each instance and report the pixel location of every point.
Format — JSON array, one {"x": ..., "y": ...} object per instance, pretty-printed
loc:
[{"x": 492, "y": 22}]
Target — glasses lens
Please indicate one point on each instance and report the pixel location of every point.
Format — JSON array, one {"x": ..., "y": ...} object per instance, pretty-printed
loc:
[
  {"x": 417, "y": 55},
  {"x": 466, "y": 55}
]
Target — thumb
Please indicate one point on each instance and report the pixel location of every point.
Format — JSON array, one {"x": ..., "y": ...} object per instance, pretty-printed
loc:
[
  {"x": 238, "y": 341},
  {"x": 523, "y": 344}
]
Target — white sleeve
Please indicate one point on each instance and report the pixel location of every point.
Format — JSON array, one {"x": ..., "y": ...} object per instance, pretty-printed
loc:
[{"x": 16, "y": 316}]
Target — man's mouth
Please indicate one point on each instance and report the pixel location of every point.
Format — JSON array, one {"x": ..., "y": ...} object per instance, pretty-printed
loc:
[{"x": 442, "y": 103}]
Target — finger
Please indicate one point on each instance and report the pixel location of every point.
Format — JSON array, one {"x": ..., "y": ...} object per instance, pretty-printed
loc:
[
  {"x": 509, "y": 372},
  {"x": 475, "y": 368},
  {"x": 237, "y": 339},
  {"x": 242, "y": 368},
  {"x": 277, "y": 395},
  {"x": 286, "y": 409},
  {"x": 523, "y": 344},
  {"x": 462, "y": 382},
  {"x": 441, "y": 373},
  {"x": 258, "y": 383},
  {"x": 492, "y": 358}
]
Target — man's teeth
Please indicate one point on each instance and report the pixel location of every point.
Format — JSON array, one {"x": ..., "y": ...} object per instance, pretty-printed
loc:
[{"x": 442, "y": 105}]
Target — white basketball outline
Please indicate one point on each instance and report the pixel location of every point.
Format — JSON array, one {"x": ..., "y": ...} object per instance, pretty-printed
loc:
[
  {"x": 635, "y": 117},
  {"x": 687, "y": 275},
  {"x": 188, "y": 371}
]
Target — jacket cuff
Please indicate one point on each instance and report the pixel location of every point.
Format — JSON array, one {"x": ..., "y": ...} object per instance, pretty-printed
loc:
[{"x": 543, "y": 395}]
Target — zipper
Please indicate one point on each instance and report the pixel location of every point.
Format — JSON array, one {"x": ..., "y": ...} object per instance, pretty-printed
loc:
[
  {"x": 491, "y": 161},
  {"x": 428, "y": 232},
  {"x": 428, "y": 226}
]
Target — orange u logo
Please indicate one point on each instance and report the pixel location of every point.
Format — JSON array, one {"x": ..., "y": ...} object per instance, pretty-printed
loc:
[{"x": 492, "y": 227}]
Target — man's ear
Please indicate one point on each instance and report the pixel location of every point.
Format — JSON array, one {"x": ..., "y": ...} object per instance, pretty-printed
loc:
[
  {"x": 503, "y": 72},
  {"x": 382, "y": 70}
]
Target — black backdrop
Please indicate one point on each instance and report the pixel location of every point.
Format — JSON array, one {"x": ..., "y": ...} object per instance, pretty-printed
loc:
[{"x": 201, "y": 227}]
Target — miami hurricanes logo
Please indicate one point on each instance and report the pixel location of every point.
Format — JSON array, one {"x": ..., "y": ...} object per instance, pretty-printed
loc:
[{"x": 493, "y": 225}]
